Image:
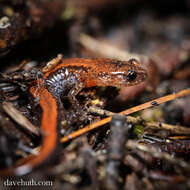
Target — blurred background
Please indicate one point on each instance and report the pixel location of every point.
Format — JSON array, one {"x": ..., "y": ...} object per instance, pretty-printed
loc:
[{"x": 157, "y": 33}]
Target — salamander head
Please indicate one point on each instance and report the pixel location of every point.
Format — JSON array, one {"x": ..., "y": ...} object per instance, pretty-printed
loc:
[{"x": 128, "y": 73}]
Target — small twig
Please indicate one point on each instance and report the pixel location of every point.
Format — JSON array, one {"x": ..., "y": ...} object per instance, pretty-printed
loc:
[
  {"x": 19, "y": 118},
  {"x": 99, "y": 111},
  {"x": 126, "y": 112},
  {"x": 157, "y": 154},
  {"x": 90, "y": 163},
  {"x": 33, "y": 153},
  {"x": 177, "y": 129},
  {"x": 116, "y": 145},
  {"x": 51, "y": 64}
]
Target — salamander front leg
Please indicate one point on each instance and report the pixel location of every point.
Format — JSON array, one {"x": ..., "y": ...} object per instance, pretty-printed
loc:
[
  {"x": 73, "y": 93},
  {"x": 77, "y": 112}
]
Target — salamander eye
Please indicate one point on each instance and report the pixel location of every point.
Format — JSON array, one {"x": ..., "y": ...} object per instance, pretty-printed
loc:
[{"x": 131, "y": 75}]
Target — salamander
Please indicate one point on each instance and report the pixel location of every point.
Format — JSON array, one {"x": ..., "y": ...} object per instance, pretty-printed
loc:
[{"x": 69, "y": 77}]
